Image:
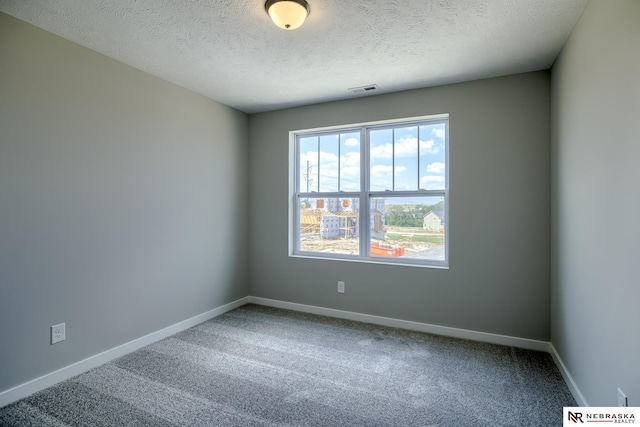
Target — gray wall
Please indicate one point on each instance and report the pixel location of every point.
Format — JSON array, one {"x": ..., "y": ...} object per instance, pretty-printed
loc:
[
  {"x": 596, "y": 202},
  {"x": 122, "y": 202},
  {"x": 498, "y": 279}
]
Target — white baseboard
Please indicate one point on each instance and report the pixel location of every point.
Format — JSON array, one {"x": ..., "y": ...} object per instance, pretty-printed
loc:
[
  {"x": 525, "y": 343},
  {"x": 30, "y": 387},
  {"x": 406, "y": 324},
  {"x": 24, "y": 390},
  {"x": 573, "y": 387}
]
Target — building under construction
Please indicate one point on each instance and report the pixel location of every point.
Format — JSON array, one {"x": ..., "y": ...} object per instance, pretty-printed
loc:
[{"x": 334, "y": 218}]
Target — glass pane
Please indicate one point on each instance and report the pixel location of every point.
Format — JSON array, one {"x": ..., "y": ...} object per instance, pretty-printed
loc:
[
  {"x": 381, "y": 160},
  {"x": 432, "y": 157},
  {"x": 405, "y": 156},
  {"x": 308, "y": 164},
  {"x": 408, "y": 227},
  {"x": 329, "y": 225},
  {"x": 350, "y": 162},
  {"x": 328, "y": 171}
]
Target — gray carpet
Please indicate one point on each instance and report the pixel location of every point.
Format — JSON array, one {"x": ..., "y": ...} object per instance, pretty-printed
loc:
[{"x": 260, "y": 366}]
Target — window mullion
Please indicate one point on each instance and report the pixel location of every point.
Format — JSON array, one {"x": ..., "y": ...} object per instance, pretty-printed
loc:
[
  {"x": 393, "y": 159},
  {"x": 296, "y": 221},
  {"x": 326, "y": 229},
  {"x": 339, "y": 159},
  {"x": 296, "y": 198},
  {"x": 318, "y": 181},
  {"x": 297, "y": 166},
  {"x": 418, "y": 160},
  {"x": 364, "y": 188}
]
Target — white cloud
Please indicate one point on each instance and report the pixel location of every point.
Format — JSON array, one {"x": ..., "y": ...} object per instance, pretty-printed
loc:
[
  {"x": 382, "y": 178},
  {"x": 386, "y": 170},
  {"x": 349, "y": 170},
  {"x": 432, "y": 182},
  {"x": 352, "y": 169},
  {"x": 381, "y": 170},
  {"x": 352, "y": 142},
  {"x": 405, "y": 147},
  {"x": 436, "y": 167},
  {"x": 438, "y": 132},
  {"x": 428, "y": 147},
  {"x": 328, "y": 158},
  {"x": 382, "y": 152},
  {"x": 350, "y": 178},
  {"x": 311, "y": 157},
  {"x": 351, "y": 158}
]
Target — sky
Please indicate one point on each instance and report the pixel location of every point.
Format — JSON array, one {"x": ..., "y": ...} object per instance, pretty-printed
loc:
[{"x": 401, "y": 159}]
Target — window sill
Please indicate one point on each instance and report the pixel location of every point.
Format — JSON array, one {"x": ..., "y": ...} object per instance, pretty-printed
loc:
[{"x": 374, "y": 260}]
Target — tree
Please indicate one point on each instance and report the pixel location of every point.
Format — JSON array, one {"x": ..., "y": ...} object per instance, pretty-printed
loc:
[{"x": 409, "y": 215}]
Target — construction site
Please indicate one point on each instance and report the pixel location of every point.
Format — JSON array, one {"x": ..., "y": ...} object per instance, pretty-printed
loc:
[{"x": 332, "y": 226}]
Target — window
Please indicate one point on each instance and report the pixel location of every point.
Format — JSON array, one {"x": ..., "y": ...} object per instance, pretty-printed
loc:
[{"x": 375, "y": 192}]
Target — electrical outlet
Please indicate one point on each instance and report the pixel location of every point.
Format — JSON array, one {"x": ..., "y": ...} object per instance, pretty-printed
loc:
[
  {"x": 341, "y": 287},
  {"x": 58, "y": 333},
  {"x": 622, "y": 398}
]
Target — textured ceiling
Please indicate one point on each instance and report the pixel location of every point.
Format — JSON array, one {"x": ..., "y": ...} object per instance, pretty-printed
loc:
[{"x": 230, "y": 51}]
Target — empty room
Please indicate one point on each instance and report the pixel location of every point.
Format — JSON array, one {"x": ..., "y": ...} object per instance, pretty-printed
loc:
[{"x": 318, "y": 213}]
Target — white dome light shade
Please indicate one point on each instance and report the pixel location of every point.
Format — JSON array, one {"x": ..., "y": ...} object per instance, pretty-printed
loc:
[{"x": 287, "y": 14}]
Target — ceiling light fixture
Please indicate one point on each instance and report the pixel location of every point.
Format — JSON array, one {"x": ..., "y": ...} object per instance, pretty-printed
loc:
[{"x": 287, "y": 14}]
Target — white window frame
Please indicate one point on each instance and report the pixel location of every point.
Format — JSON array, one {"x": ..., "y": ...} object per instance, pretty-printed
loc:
[{"x": 364, "y": 194}]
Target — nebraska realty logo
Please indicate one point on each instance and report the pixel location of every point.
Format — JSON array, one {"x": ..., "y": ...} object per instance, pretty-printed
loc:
[{"x": 611, "y": 415}]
